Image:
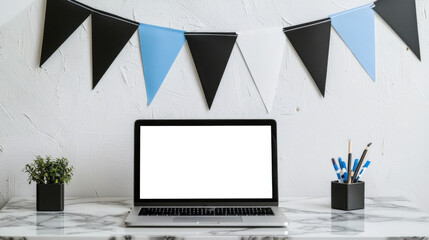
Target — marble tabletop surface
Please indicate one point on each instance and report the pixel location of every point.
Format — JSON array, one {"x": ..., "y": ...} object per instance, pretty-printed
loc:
[{"x": 311, "y": 218}]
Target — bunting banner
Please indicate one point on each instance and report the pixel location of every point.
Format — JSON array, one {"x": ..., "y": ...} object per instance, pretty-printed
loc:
[
  {"x": 211, "y": 52},
  {"x": 62, "y": 18},
  {"x": 109, "y": 36},
  {"x": 263, "y": 51},
  {"x": 356, "y": 28},
  {"x": 159, "y": 48},
  {"x": 402, "y": 18},
  {"x": 311, "y": 43}
]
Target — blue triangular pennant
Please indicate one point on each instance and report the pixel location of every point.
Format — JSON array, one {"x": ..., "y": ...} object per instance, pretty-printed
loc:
[
  {"x": 356, "y": 28},
  {"x": 159, "y": 48}
]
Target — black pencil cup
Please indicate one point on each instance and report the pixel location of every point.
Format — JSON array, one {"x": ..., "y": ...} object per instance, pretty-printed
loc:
[{"x": 347, "y": 196}]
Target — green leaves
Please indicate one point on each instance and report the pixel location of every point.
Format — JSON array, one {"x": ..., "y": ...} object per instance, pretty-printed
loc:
[{"x": 49, "y": 171}]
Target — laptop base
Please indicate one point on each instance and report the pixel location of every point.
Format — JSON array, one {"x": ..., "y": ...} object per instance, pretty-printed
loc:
[{"x": 277, "y": 220}]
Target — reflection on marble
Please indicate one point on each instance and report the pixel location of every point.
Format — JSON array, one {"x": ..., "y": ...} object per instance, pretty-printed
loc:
[
  {"x": 349, "y": 223},
  {"x": 51, "y": 223},
  {"x": 103, "y": 218},
  {"x": 387, "y": 218}
]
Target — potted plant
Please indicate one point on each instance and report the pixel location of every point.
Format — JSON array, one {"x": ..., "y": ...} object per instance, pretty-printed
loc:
[{"x": 50, "y": 176}]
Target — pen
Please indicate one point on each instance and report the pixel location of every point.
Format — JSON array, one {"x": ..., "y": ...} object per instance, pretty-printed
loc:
[
  {"x": 343, "y": 168},
  {"x": 363, "y": 170},
  {"x": 354, "y": 167},
  {"x": 337, "y": 170},
  {"x": 340, "y": 166},
  {"x": 349, "y": 163},
  {"x": 362, "y": 158}
]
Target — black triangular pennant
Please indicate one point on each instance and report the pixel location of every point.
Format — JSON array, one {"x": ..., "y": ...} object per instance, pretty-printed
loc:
[
  {"x": 401, "y": 17},
  {"x": 62, "y": 18},
  {"x": 211, "y": 52},
  {"x": 110, "y": 34},
  {"x": 311, "y": 42}
]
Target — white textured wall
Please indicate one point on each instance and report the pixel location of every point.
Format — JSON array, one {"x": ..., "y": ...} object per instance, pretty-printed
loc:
[
  {"x": 10, "y": 8},
  {"x": 52, "y": 110}
]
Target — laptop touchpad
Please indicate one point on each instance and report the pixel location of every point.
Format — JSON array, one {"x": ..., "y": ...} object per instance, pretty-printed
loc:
[{"x": 207, "y": 219}]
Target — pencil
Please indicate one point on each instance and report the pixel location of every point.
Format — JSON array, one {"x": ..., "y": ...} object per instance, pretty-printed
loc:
[
  {"x": 362, "y": 159},
  {"x": 349, "y": 163}
]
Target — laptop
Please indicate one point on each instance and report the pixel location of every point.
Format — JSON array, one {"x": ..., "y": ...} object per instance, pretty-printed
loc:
[{"x": 190, "y": 173}]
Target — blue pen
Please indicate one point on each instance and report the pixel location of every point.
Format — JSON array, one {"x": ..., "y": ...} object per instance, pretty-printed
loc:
[
  {"x": 337, "y": 170},
  {"x": 354, "y": 167},
  {"x": 363, "y": 170},
  {"x": 343, "y": 168},
  {"x": 340, "y": 164},
  {"x": 355, "y": 164}
]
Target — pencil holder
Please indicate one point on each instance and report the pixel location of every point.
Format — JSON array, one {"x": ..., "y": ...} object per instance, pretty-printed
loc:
[{"x": 347, "y": 196}]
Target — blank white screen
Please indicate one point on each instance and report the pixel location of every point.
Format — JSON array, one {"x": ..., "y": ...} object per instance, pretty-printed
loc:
[{"x": 205, "y": 162}]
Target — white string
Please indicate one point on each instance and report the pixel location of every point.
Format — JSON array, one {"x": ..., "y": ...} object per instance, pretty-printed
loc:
[
  {"x": 309, "y": 25},
  {"x": 104, "y": 14}
]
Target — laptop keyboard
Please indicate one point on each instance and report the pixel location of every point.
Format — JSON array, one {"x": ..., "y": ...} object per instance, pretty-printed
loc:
[{"x": 206, "y": 212}]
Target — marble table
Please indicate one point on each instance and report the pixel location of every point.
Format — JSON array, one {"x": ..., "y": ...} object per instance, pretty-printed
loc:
[{"x": 309, "y": 218}]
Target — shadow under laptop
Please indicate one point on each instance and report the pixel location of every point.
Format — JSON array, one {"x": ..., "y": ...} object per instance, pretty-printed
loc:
[
  {"x": 177, "y": 233},
  {"x": 242, "y": 238}
]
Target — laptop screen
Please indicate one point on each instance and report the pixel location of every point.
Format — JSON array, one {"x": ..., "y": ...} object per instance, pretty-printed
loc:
[{"x": 206, "y": 162}]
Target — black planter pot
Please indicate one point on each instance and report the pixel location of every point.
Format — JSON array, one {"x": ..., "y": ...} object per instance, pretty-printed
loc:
[{"x": 50, "y": 197}]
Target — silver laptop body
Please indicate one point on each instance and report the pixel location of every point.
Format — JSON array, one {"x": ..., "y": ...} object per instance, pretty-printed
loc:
[{"x": 205, "y": 173}]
